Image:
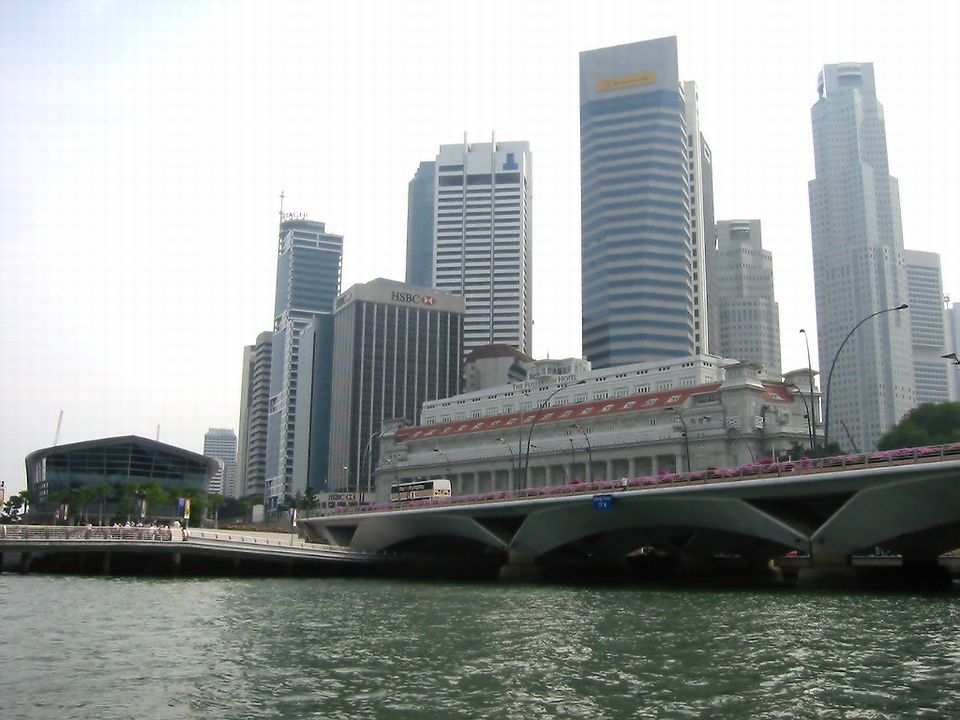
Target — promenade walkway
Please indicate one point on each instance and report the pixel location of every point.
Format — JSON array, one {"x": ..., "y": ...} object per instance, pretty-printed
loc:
[{"x": 53, "y": 547}]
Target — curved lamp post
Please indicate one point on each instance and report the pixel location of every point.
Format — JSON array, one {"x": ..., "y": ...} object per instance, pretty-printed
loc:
[
  {"x": 536, "y": 417},
  {"x": 589, "y": 451},
  {"x": 445, "y": 458},
  {"x": 826, "y": 404},
  {"x": 513, "y": 469},
  {"x": 811, "y": 419},
  {"x": 685, "y": 434},
  {"x": 806, "y": 409}
]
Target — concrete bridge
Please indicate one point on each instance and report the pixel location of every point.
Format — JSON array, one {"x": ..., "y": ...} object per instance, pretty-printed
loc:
[
  {"x": 165, "y": 551},
  {"x": 905, "y": 502}
]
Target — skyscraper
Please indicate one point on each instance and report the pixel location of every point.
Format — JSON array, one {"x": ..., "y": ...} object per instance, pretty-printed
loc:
[
  {"x": 308, "y": 280},
  {"x": 951, "y": 320},
  {"x": 646, "y": 206},
  {"x": 254, "y": 408},
  {"x": 421, "y": 206},
  {"x": 858, "y": 259},
  {"x": 749, "y": 317},
  {"x": 925, "y": 293},
  {"x": 221, "y": 444},
  {"x": 312, "y": 430},
  {"x": 481, "y": 237},
  {"x": 395, "y": 345}
]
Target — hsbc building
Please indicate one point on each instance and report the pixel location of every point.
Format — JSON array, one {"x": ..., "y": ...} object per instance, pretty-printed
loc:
[{"x": 395, "y": 346}]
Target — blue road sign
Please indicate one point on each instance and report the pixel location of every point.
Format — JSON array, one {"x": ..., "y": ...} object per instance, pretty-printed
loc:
[{"x": 603, "y": 502}]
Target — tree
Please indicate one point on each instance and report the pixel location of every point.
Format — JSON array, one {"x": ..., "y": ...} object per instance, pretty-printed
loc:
[
  {"x": 928, "y": 424},
  {"x": 215, "y": 500},
  {"x": 10, "y": 513}
]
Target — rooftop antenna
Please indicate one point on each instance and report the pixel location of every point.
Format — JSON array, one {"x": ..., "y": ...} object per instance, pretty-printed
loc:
[
  {"x": 158, "y": 432},
  {"x": 56, "y": 436}
]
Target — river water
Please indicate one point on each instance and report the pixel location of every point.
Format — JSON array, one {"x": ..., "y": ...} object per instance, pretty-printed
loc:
[{"x": 87, "y": 647}]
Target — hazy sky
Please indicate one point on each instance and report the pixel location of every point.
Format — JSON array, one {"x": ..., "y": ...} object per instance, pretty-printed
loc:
[{"x": 143, "y": 147}]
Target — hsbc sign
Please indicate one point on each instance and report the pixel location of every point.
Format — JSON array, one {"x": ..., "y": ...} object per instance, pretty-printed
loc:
[{"x": 413, "y": 298}]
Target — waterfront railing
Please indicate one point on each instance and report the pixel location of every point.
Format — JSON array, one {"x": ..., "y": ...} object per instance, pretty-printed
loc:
[{"x": 751, "y": 471}]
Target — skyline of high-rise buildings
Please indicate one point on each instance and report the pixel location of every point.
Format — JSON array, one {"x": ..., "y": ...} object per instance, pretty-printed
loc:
[
  {"x": 858, "y": 259},
  {"x": 660, "y": 278}
]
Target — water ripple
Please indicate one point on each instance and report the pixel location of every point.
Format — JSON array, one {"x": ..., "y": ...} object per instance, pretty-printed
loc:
[{"x": 90, "y": 647}]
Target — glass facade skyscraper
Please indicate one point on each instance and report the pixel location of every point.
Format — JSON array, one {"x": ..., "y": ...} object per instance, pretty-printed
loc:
[
  {"x": 395, "y": 346},
  {"x": 308, "y": 281},
  {"x": 640, "y": 160}
]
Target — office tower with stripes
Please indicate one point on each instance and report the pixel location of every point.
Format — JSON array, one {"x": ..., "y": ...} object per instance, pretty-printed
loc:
[
  {"x": 927, "y": 329},
  {"x": 221, "y": 444},
  {"x": 646, "y": 207},
  {"x": 308, "y": 281},
  {"x": 254, "y": 409},
  {"x": 480, "y": 237},
  {"x": 858, "y": 260},
  {"x": 395, "y": 346}
]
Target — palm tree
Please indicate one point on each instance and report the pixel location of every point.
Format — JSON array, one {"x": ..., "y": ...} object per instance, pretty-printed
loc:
[{"x": 215, "y": 500}]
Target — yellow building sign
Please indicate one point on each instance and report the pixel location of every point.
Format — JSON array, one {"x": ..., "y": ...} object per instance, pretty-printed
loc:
[{"x": 626, "y": 81}]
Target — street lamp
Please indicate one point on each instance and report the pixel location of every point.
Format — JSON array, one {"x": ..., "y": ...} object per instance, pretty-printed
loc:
[
  {"x": 826, "y": 404},
  {"x": 445, "y": 458},
  {"x": 589, "y": 451},
  {"x": 536, "y": 417},
  {"x": 366, "y": 458},
  {"x": 807, "y": 410},
  {"x": 513, "y": 470},
  {"x": 686, "y": 438},
  {"x": 810, "y": 417}
]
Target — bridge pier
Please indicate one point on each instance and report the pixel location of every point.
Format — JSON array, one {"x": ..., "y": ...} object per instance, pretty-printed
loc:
[
  {"x": 827, "y": 570},
  {"x": 105, "y": 563},
  {"x": 520, "y": 567},
  {"x": 175, "y": 559}
]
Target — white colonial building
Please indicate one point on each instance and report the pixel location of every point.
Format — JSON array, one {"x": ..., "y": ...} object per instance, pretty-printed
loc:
[{"x": 630, "y": 421}]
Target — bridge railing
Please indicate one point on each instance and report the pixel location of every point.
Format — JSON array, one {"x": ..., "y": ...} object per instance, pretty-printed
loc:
[
  {"x": 751, "y": 471},
  {"x": 84, "y": 532}
]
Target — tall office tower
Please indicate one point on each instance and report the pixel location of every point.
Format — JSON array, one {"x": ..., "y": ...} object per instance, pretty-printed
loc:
[
  {"x": 646, "y": 188},
  {"x": 858, "y": 261},
  {"x": 749, "y": 317},
  {"x": 254, "y": 407},
  {"x": 312, "y": 430},
  {"x": 702, "y": 239},
  {"x": 421, "y": 198},
  {"x": 308, "y": 281},
  {"x": 482, "y": 239},
  {"x": 221, "y": 444},
  {"x": 395, "y": 346},
  {"x": 925, "y": 293},
  {"x": 951, "y": 321}
]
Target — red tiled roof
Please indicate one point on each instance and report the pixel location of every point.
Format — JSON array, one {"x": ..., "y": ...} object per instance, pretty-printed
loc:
[
  {"x": 572, "y": 413},
  {"x": 563, "y": 413}
]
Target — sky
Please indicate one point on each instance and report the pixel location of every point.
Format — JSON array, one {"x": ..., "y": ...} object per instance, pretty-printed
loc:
[{"x": 144, "y": 147}]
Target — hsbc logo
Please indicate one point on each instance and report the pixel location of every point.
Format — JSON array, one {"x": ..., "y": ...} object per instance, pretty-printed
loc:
[{"x": 414, "y": 298}]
